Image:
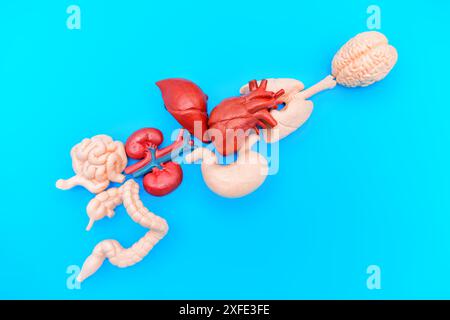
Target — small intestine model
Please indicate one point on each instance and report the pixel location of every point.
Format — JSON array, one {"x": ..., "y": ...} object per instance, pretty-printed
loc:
[
  {"x": 96, "y": 161},
  {"x": 231, "y": 127},
  {"x": 362, "y": 61}
]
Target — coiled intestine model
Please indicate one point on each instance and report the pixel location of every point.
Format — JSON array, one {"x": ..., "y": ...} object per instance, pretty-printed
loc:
[
  {"x": 103, "y": 205},
  {"x": 96, "y": 161}
]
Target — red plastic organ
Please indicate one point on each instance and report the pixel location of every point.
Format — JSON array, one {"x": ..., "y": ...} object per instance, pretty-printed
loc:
[
  {"x": 229, "y": 122},
  {"x": 161, "y": 174}
]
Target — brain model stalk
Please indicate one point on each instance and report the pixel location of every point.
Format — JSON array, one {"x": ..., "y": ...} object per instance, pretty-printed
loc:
[{"x": 103, "y": 205}]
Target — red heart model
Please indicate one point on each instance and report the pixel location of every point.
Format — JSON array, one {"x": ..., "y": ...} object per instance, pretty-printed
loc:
[{"x": 160, "y": 182}]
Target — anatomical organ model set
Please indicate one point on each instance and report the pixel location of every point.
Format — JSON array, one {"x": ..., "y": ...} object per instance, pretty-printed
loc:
[{"x": 231, "y": 127}]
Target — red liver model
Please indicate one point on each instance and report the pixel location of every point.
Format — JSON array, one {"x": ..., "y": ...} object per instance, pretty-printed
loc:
[{"x": 186, "y": 102}]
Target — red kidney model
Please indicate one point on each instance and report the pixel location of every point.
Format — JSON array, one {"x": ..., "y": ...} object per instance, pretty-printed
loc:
[
  {"x": 161, "y": 174},
  {"x": 162, "y": 181}
]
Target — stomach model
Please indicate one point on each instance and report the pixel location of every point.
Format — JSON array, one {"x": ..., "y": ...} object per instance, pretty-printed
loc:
[{"x": 362, "y": 61}]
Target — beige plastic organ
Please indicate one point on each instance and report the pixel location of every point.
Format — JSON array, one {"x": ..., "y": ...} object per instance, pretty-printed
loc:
[
  {"x": 297, "y": 109},
  {"x": 96, "y": 162},
  {"x": 103, "y": 205},
  {"x": 362, "y": 61},
  {"x": 235, "y": 180},
  {"x": 365, "y": 59},
  {"x": 290, "y": 86}
]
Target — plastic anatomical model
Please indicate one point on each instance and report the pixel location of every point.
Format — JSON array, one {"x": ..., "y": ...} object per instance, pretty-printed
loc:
[
  {"x": 186, "y": 102},
  {"x": 235, "y": 180},
  {"x": 161, "y": 174},
  {"x": 297, "y": 108},
  {"x": 96, "y": 161},
  {"x": 232, "y": 120},
  {"x": 364, "y": 60},
  {"x": 104, "y": 205},
  {"x": 232, "y": 127}
]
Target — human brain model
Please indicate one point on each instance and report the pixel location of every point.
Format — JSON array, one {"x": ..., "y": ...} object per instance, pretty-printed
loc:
[
  {"x": 365, "y": 59},
  {"x": 96, "y": 162}
]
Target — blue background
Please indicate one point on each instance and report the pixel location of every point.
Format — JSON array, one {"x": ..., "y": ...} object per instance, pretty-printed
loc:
[{"x": 365, "y": 181}]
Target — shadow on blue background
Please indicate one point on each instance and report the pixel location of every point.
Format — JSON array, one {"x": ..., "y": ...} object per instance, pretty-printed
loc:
[{"x": 366, "y": 181}]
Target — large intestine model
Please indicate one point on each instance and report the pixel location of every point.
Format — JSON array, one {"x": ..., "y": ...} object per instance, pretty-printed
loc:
[
  {"x": 232, "y": 127},
  {"x": 103, "y": 205}
]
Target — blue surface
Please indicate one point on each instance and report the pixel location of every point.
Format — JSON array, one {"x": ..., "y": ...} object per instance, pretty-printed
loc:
[{"x": 366, "y": 181}]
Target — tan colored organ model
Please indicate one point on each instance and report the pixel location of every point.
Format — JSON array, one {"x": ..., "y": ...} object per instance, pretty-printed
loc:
[
  {"x": 103, "y": 205},
  {"x": 235, "y": 180},
  {"x": 362, "y": 61},
  {"x": 96, "y": 162},
  {"x": 365, "y": 59}
]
